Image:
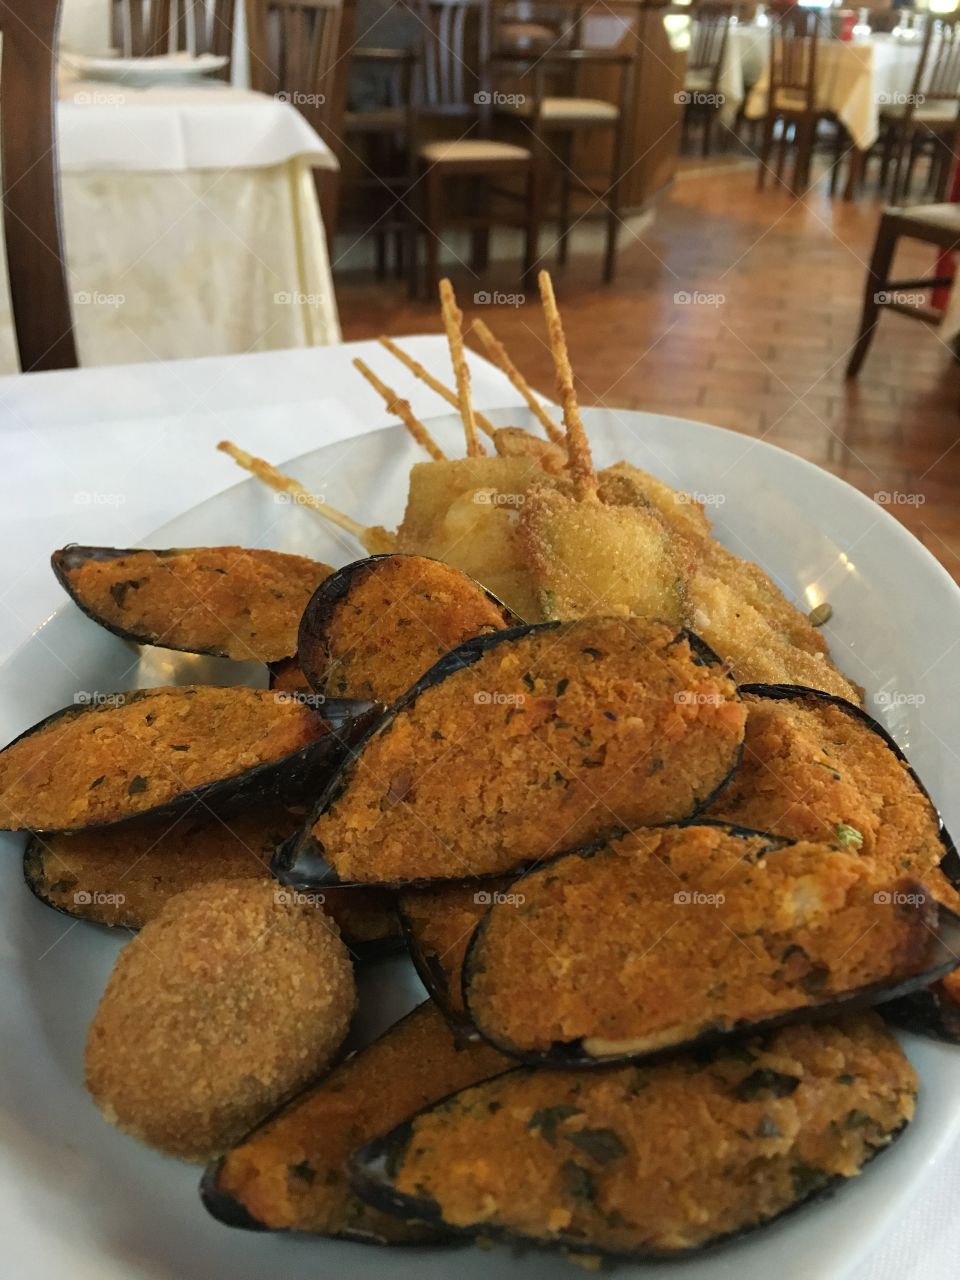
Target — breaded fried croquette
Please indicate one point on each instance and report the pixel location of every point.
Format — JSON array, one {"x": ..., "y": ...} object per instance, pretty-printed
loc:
[{"x": 222, "y": 1007}]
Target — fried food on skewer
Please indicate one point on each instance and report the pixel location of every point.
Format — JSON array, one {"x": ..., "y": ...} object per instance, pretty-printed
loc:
[
  {"x": 501, "y": 358},
  {"x": 401, "y": 408},
  {"x": 578, "y": 446},
  {"x": 373, "y": 537},
  {"x": 453, "y": 324},
  {"x": 426, "y": 377}
]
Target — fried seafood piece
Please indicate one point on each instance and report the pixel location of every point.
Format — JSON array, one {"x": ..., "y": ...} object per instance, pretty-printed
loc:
[
  {"x": 290, "y": 1175},
  {"x": 221, "y": 1008},
  {"x": 671, "y": 936},
  {"x": 374, "y": 627},
  {"x": 237, "y": 602},
  {"x": 818, "y": 768},
  {"x": 653, "y": 1160},
  {"x": 126, "y": 874},
  {"x": 624, "y": 485},
  {"x": 526, "y": 742}
]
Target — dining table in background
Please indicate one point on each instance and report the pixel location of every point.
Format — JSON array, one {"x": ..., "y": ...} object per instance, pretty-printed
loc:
[
  {"x": 745, "y": 57},
  {"x": 192, "y": 222}
]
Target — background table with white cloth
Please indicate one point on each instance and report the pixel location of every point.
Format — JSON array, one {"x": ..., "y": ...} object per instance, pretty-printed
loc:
[
  {"x": 854, "y": 81},
  {"x": 745, "y": 57},
  {"x": 192, "y": 223}
]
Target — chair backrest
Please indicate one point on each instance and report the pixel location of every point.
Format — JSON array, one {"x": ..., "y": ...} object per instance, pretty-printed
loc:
[
  {"x": 147, "y": 28},
  {"x": 295, "y": 50},
  {"x": 39, "y": 296},
  {"x": 794, "y": 41},
  {"x": 708, "y": 42},
  {"x": 938, "y": 75},
  {"x": 453, "y": 65},
  {"x": 537, "y": 24}
]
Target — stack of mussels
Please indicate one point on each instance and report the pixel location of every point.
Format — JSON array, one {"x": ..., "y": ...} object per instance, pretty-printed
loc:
[{"x": 651, "y": 909}]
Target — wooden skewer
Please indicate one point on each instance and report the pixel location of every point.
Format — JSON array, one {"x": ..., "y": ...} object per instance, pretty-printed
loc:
[
  {"x": 501, "y": 357},
  {"x": 452, "y": 321},
  {"x": 373, "y": 538},
  {"x": 403, "y": 411},
  {"x": 579, "y": 459},
  {"x": 427, "y": 378}
]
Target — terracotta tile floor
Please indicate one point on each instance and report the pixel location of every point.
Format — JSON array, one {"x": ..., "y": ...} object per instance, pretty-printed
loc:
[{"x": 765, "y": 356}]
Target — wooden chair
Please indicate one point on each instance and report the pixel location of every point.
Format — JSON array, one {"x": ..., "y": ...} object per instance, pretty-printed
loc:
[
  {"x": 39, "y": 294},
  {"x": 147, "y": 28},
  {"x": 300, "y": 49},
  {"x": 928, "y": 119},
  {"x": 701, "y": 85},
  {"x": 455, "y": 108},
  {"x": 935, "y": 224},
  {"x": 559, "y": 116},
  {"x": 380, "y": 139},
  {"x": 792, "y": 103}
]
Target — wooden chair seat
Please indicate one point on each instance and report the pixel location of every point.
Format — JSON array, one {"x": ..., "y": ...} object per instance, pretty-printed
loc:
[
  {"x": 468, "y": 151},
  {"x": 790, "y": 100},
  {"x": 930, "y": 114},
  {"x": 569, "y": 112},
  {"x": 946, "y": 217}
]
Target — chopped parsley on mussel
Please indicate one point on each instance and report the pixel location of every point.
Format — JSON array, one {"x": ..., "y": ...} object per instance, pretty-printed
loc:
[
  {"x": 523, "y": 743},
  {"x": 234, "y": 602},
  {"x": 653, "y": 1160}
]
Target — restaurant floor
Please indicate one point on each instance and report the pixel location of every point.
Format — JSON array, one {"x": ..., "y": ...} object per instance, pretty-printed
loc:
[{"x": 775, "y": 288}]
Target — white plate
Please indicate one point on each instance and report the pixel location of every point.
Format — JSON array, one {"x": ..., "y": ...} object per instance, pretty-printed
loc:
[
  {"x": 78, "y": 1199},
  {"x": 167, "y": 68}
]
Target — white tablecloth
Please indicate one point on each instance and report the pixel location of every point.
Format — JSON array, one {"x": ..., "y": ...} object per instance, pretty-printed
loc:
[
  {"x": 192, "y": 224},
  {"x": 854, "y": 81},
  {"x": 745, "y": 56},
  {"x": 148, "y": 432}
]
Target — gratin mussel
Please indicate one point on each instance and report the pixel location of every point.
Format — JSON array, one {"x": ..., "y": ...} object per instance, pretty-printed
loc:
[
  {"x": 159, "y": 751},
  {"x": 230, "y": 602},
  {"x": 651, "y": 1160},
  {"x": 523, "y": 743}
]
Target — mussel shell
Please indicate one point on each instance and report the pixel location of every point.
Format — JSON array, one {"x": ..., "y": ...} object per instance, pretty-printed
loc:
[
  {"x": 369, "y": 1174},
  {"x": 950, "y": 863},
  {"x": 944, "y": 957},
  {"x": 289, "y": 780},
  {"x": 299, "y": 864},
  {"x": 317, "y": 616}
]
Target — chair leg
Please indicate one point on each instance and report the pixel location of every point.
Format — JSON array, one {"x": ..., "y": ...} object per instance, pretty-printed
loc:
[
  {"x": 781, "y": 153},
  {"x": 838, "y": 149},
  {"x": 708, "y": 118},
  {"x": 531, "y": 239},
  {"x": 565, "y": 147},
  {"x": 766, "y": 146},
  {"x": 434, "y": 221},
  {"x": 877, "y": 277}
]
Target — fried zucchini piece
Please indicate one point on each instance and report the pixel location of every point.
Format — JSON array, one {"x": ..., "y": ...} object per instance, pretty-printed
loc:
[
  {"x": 521, "y": 744},
  {"x": 127, "y": 754},
  {"x": 380, "y": 623},
  {"x": 438, "y": 925},
  {"x": 716, "y": 933},
  {"x": 624, "y": 485},
  {"x": 815, "y": 767},
  {"x": 514, "y": 442},
  {"x": 654, "y": 1160},
  {"x": 234, "y": 602},
  {"x": 588, "y": 559},
  {"x": 741, "y": 614},
  {"x": 289, "y": 1174},
  {"x": 464, "y": 512},
  {"x": 125, "y": 874},
  {"x": 220, "y": 1009}
]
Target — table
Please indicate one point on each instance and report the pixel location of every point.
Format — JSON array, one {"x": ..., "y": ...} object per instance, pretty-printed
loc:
[
  {"x": 854, "y": 81},
  {"x": 745, "y": 58},
  {"x": 191, "y": 222},
  {"x": 148, "y": 431}
]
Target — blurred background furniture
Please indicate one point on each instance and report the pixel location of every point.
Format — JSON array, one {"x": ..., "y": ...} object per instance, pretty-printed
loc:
[
  {"x": 934, "y": 224},
  {"x": 544, "y": 90},
  {"x": 147, "y": 28},
  {"x": 31, "y": 199},
  {"x": 705, "y": 66},
  {"x": 454, "y": 141}
]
